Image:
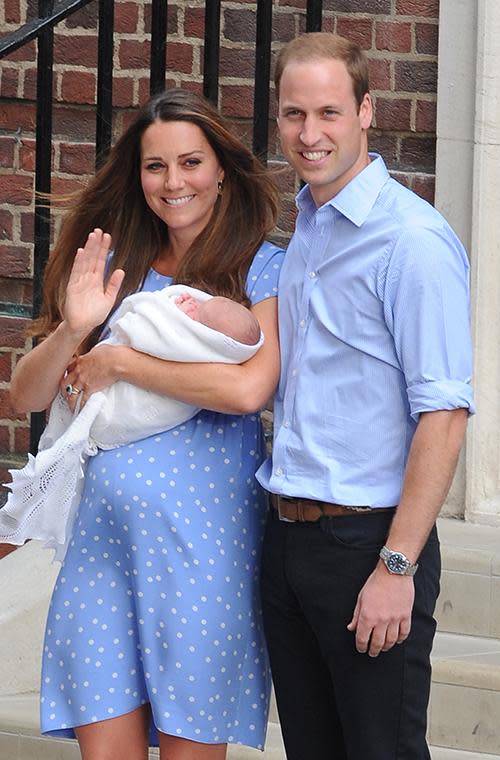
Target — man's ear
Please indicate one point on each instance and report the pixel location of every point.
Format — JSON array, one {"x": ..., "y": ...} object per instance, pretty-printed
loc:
[{"x": 366, "y": 111}]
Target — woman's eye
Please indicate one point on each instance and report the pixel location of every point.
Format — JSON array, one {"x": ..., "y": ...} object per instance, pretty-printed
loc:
[
  {"x": 191, "y": 162},
  {"x": 153, "y": 166}
]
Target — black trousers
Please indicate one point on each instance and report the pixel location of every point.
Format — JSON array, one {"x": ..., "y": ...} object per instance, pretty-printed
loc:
[{"x": 334, "y": 703}]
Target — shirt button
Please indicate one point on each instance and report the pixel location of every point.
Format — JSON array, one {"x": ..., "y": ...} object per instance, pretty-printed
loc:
[
  {"x": 294, "y": 372},
  {"x": 286, "y": 423},
  {"x": 279, "y": 471},
  {"x": 302, "y": 322},
  {"x": 312, "y": 275}
]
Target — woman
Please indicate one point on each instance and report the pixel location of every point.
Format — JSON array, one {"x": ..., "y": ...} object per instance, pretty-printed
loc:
[{"x": 154, "y": 626}]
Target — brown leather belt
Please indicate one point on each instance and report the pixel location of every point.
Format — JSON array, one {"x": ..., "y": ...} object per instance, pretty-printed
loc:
[{"x": 294, "y": 509}]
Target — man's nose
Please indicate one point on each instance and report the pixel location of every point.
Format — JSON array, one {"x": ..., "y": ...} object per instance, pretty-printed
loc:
[{"x": 310, "y": 133}]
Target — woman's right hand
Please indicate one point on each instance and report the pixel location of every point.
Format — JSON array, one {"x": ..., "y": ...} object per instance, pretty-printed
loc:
[{"x": 87, "y": 302}]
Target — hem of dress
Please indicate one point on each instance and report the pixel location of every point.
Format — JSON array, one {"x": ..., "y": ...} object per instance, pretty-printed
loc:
[{"x": 69, "y": 732}]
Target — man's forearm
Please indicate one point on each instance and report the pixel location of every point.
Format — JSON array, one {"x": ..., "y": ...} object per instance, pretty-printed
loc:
[{"x": 431, "y": 465}]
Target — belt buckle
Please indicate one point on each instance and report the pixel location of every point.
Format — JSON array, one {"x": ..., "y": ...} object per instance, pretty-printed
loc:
[{"x": 281, "y": 516}]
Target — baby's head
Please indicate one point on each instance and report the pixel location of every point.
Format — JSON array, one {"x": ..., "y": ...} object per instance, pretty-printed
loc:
[{"x": 225, "y": 316}]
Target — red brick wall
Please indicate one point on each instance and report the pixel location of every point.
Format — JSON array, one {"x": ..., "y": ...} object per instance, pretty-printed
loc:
[{"x": 400, "y": 37}]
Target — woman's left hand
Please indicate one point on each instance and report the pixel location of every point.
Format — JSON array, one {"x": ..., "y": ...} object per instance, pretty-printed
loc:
[{"x": 89, "y": 373}]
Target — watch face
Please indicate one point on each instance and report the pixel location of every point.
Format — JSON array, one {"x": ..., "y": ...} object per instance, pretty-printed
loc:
[{"x": 397, "y": 563}]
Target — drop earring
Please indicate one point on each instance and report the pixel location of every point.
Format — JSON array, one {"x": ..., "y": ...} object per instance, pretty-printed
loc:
[{"x": 219, "y": 186}]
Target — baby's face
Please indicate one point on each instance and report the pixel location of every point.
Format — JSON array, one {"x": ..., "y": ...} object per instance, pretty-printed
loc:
[{"x": 189, "y": 306}]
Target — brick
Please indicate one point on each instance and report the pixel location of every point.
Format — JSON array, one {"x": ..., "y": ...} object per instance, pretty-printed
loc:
[
  {"x": 126, "y": 18},
  {"x": 27, "y": 227},
  {"x": 283, "y": 27},
  {"x": 78, "y": 87},
  {"x": 16, "y": 261},
  {"x": 19, "y": 115},
  {"x": 6, "y": 224},
  {"x": 416, "y": 76},
  {"x": 11, "y": 290},
  {"x": 13, "y": 331},
  {"x": 403, "y": 178},
  {"x": 395, "y": 37},
  {"x": 393, "y": 114},
  {"x": 9, "y": 82},
  {"x": 6, "y": 410},
  {"x": 123, "y": 92},
  {"x": 380, "y": 74},
  {"x": 358, "y": 30},
  {"x": 77, "y": 158},
  {"x": 426, "y": 8},
  {"x": 27, "y": 155},
  {"x": 16, "y": 189},
  {"x": 25, "y": 53},
  {"x": 425, "y": 186},
  {"x": 362, "y": 6},
  {"x": 419, "y": 153},
  {"x": 12, "y": 11},
  {"x": 72, "y": 49},
  {"x": 194, "y": 22},
  {"x": 29, "y": 85},
  {"x": 385, "y": 144},
  {"x": 239, "y": 25},
  {"x": 179, "y": 57},
  {"x": 172, "y": 19},
  {"x": 426, "y": 116},
  {"x": 237, "y": 100},
  {"x": 62, "y": 186},
  {"x": 21, "y": 439},
  {"x": 5, "y": 366},
  {"x": 427, "y": 38},
  {"x": 84, "y": 18},
  {"x": 7, "y": 145},
  {"x": 295, "y": 3},
  {"x": 74, "y": 121},
  {"x": 235, "y": 62},
  {"x": 4, "y": 446},
  {"x": 287, "y": 216},
  {"x": 133, "y": 54}
]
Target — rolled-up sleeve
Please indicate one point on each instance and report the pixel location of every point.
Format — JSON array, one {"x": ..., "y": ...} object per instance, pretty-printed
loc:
[{"x": 426, "y": 308}]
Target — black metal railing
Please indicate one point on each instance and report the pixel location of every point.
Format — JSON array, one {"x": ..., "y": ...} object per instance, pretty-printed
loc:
[{"x": 50, "y": 13}]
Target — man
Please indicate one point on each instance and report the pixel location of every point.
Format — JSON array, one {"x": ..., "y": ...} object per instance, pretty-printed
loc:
[{"x": 370, "y": 415}]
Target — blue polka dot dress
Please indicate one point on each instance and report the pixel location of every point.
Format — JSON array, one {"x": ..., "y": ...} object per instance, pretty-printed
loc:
[{"x": 157, "y": 599}]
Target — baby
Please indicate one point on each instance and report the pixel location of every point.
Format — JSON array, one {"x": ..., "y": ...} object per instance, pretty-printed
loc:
[{"x": 223, "y": 315}]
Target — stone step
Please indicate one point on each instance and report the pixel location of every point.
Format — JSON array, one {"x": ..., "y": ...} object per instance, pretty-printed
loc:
[
  {"x": 464, "y": 712},
  {"x": 469, "y": 602}
]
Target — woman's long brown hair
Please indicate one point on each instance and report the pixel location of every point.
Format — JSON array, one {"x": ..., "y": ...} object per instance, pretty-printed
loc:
[{"x": 218, "y": 259}]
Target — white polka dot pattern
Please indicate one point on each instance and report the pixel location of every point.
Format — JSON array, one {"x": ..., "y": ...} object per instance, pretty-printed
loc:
[{"x": 157, "y": 600}]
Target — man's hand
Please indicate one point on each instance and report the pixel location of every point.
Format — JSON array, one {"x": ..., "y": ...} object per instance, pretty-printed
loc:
[{"x": 382, "y": 616}]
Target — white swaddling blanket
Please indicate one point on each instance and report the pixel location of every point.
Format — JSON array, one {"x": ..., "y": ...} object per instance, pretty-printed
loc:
[{"x": 46, "y": 492}]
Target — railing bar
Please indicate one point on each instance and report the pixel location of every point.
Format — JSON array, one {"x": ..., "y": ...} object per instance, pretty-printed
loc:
[
  {"x": 32, "y": 28},
  {"x": 211, "y": 51},
  {"x": 313, "y": 15},
  {"x": 43, "y": 167},
  {"x": 262, "y": 73},
  {"x": 159, "y": 16},
  {"x": 104, "y": 110}
]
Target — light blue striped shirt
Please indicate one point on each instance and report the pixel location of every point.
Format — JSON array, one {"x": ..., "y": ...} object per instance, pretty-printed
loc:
[{"x": 374, "y": 329}]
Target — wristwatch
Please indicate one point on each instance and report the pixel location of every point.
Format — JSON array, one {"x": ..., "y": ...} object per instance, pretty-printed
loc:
[{"x": 396, "y": 562}]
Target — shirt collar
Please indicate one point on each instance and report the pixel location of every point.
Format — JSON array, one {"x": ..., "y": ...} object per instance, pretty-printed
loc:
[{"x": 357, "y": 198}]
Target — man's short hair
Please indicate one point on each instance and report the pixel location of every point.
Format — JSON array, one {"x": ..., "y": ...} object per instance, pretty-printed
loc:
[{"x": 321, "y": 45}]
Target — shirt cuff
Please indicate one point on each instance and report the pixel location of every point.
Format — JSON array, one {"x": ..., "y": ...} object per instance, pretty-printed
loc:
[{"x": 439, "y": 395}]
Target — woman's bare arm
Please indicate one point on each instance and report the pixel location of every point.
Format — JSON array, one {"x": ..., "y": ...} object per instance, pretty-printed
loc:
[{"x": 36, "y": 379}]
